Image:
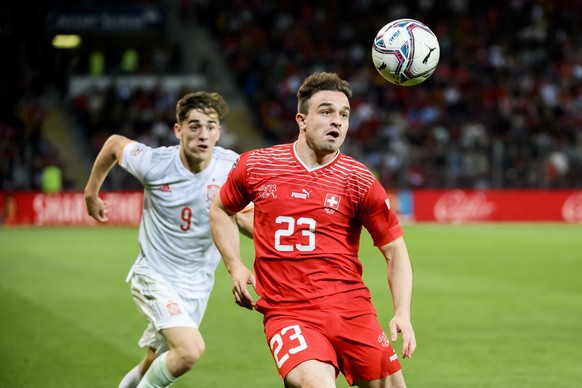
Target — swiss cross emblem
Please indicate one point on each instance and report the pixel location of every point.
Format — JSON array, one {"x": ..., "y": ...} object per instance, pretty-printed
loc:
[{"x": 332, "y": 201}]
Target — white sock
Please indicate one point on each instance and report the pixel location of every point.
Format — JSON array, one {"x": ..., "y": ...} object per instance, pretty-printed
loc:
[
  {"x": 158, "y": 375},
  {"x": 131, "y": 379}
]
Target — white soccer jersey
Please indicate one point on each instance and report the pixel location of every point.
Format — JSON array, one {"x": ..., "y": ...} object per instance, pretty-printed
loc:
[{"x": 174, "y": 234}]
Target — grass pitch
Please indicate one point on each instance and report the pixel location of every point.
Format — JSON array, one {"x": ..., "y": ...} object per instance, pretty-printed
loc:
[{"x": 497, "y": 305}]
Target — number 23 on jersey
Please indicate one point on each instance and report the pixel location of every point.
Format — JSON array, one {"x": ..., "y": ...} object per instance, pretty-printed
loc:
[{"x": 286, "y": 342}]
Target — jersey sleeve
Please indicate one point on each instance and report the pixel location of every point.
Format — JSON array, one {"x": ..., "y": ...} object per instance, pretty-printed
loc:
[
  {"x": 234, "y": 193},
  {"x": 136, "y": 159},
  {"x": 378, "y": 218}
]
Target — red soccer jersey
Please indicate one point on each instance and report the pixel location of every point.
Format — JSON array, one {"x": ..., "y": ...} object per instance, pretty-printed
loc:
[{"x": 308, "y": 223}]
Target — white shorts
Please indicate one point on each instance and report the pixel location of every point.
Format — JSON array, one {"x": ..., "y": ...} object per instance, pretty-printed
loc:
[{"x": 164, "y": 308}]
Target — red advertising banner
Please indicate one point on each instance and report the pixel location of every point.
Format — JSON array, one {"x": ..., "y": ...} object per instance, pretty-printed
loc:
[
  {"x": 39, "y": 209},
  {"x": 444, "y": 206},
  {"x": 458, "y": 206}
]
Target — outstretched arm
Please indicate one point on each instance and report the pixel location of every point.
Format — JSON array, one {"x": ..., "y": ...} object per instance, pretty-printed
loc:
[
  {"x": 227, "y": 239},
  {"x": 400, "y": 280},
  {"x": 110, "y": 154}
]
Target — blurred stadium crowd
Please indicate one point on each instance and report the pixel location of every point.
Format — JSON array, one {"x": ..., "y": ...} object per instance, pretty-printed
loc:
[{"x": 503, "y": 109}]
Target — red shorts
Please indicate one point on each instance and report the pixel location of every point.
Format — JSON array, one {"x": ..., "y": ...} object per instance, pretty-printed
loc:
[{"x": 346, "y": 334}]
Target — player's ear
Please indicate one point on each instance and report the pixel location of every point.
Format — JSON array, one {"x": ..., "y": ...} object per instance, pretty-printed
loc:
[
  {"x": 178, "y": 131},
  {"x": 300, "y": 118}
]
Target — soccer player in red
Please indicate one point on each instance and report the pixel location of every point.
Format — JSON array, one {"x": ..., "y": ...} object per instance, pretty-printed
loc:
[{"x": 311, "y": 202}]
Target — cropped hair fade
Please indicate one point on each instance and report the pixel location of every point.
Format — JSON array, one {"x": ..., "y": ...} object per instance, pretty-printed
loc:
[{"x": 317, "y": 82}]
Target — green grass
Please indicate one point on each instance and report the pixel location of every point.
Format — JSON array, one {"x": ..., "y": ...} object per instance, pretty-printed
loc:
[{"x": 496, "y": 305}]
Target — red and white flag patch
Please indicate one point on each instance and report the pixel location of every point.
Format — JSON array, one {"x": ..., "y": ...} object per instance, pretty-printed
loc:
[{"x": 332, "y": 201}]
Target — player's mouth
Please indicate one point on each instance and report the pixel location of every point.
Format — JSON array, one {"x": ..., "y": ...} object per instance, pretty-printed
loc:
[{"x": 333, "y": 134}]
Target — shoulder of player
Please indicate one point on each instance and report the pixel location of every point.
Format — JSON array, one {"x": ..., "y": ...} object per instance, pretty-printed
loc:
[
  {"x": 224, "y": 154},
  {"x": 266, "y": 153},
  {"x": 149, "y": 162},
  {"x": 156, "y": 154},
  {"x": 352, "y": 166},
  {"x": 161, "y": 154}
]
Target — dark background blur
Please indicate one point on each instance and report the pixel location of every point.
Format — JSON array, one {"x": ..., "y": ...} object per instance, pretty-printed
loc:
[{"x": 502, "y": 110}]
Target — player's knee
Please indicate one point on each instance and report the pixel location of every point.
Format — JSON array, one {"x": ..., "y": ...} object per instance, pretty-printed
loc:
[
  {"x": 395, "y": 380},
  {"x": 311, "y": 374},
  {"x": 187, "y": 356}
]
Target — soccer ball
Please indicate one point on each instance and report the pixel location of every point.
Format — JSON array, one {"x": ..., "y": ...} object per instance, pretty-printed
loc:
[{"x": 405, "y": 52}]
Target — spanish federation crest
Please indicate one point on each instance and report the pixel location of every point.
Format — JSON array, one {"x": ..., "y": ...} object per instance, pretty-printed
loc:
[{"x": 211, "y": 191}]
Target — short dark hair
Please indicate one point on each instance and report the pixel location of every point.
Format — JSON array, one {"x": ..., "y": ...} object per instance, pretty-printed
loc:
[
  {"x": 317, "y": 82},
  {"x": 204, "y": 101}
]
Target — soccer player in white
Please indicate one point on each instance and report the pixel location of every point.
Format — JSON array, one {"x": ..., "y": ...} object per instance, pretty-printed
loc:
[{"x": 173, "y": 275}]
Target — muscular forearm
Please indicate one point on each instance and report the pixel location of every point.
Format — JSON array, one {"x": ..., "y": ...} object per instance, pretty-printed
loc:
[
  {"x": 400, "y": 281},
  {"x": 400, "y": 277},
  {"x": 227, "y": 238},
  {"x": 225, "y": 234},
  {"x": 244, "y": 221}
]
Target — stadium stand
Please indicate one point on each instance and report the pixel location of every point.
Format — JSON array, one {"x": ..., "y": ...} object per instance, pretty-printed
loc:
[{"x": 503, "y": 109}]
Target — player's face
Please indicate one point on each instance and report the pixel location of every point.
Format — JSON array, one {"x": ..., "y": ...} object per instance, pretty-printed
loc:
[
  {"x": 198, "y": 135},
  {"x": 326, "y": 122}
]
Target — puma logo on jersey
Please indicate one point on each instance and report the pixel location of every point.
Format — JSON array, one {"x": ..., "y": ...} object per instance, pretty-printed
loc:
[
  {"x": 166, "y": 188},
  {"x": 303, "y": 195}
]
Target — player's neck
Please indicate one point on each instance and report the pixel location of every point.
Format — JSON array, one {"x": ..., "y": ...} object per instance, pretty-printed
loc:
[
  {"x": 194, "y": 166},
  {"x": 310, "y": 158}
]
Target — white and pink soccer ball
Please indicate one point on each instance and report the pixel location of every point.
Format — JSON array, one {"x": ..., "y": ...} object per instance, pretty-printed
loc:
[{"x": 405, "y": 52}]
